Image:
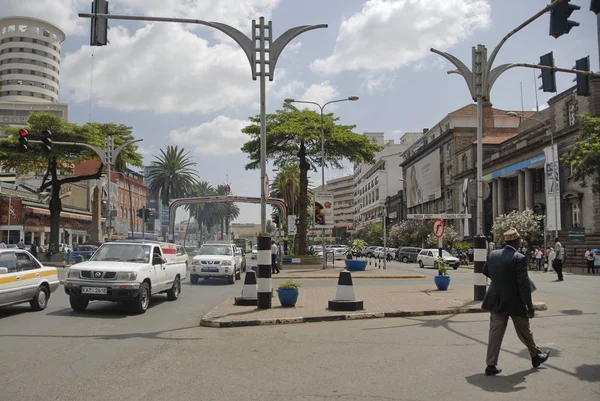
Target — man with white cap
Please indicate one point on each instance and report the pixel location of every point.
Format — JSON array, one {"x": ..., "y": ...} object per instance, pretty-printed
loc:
[{"x": 509, "y": 295}]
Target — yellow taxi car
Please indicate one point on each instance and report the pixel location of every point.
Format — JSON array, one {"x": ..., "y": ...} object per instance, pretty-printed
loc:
[{"x": 24, "y": 279}]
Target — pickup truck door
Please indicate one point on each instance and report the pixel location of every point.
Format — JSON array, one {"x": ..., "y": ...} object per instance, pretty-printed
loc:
[{"x": 161, "y": 272}]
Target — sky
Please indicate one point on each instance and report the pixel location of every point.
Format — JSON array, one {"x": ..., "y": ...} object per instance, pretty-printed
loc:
[{"x": 191, "y": 86}]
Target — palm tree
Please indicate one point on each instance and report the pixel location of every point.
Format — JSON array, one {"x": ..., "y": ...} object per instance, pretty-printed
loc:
[
  {"x": 172, "y": 175},
  {"x": 227, "y": 211},
  {"x": 287, "y": 183},
  {"x": 206, "y": 213}
]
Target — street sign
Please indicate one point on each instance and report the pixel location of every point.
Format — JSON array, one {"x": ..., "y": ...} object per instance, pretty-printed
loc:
[
  {"x": 443, "y": 216},
  {"x": 577, "y": 234},
  {"x": 472, "y": 189},
  {"x": 227, "y": 189},
  {"x": 330, "y": 257},
  {"x": 438, "y": 228},
  {"x": 292, "y": 224}
]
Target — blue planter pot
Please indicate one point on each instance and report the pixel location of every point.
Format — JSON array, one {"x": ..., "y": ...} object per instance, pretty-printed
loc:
[
  {"x": 287, "y": 296},
  {"x": 355, "y": 265},
  {"x": 442, "y": 282}
]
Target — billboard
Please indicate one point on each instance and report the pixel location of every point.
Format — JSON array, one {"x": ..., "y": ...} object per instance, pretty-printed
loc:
[
  {"x": 552, "y": 188},
  {"x": 324, "y": 210},
  {"x": 423, "y": 180}
]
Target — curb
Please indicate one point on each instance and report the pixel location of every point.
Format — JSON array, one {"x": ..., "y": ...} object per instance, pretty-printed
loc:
[{"x": 221, "y": 323}]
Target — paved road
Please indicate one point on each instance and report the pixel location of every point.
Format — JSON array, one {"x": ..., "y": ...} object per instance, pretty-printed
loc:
[{"x": 109, "y": 354}]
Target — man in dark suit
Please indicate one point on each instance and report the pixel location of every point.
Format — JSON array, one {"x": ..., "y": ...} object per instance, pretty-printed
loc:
[{"x": 509, "y": 295}]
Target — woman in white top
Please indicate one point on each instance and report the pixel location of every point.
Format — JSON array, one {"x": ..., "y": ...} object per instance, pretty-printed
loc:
[
  {"x": 551, "y": 257},
  {"x": 538, "y": 259}
]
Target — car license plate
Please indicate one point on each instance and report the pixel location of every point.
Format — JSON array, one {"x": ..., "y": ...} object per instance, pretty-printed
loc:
[
  {"x": 210, "y": 269},
  {"x": 93, "y": 290}
]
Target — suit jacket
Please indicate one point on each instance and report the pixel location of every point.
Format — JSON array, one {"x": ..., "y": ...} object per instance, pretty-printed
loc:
[{"x": 509, "y": 292}]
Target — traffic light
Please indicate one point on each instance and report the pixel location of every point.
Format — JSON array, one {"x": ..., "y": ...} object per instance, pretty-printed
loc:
[
  {"x": 140, "y": 213},
  {"x": 276, "y": 220},
  {"x": 99, "y": 34},
  {"x": 297, "y": 221},
  {"x": 595, "y": 6},
  {"x": 148, "y": 214},
  {"x": 583, "y": 81},
  {"x": 23, "y": 139},
  {"x": 548, "y": 76},
  {"x": 47, "y": 141},
  {"x": 559, "y": 18}
]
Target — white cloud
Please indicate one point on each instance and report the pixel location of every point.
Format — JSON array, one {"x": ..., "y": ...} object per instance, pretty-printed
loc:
[
  {"x": 166, "y": 69},
  {"x": 319, "y": 93},
  {"x": 62, "y": 13},
  {"x": 221, "y": 136},
  {"x": 386, "y": 35}
]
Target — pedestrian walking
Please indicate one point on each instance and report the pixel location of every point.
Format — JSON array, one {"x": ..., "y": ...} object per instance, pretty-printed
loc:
[
  {"x": 274, "y": 267},
  {"x": 33, "y": 249},
  {"x": 538, "y": 259},
  {"x": 509, "y": 295},
  {"x": 559, "y": 260},
  {"x": 589, "y": 257},
  {"x": 21, "y": 244}
]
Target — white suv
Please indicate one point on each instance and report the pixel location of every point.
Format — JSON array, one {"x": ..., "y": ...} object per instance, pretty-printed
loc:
[
  {"x": 126, "y": 271},
  {"x": 216, "y": 260}
]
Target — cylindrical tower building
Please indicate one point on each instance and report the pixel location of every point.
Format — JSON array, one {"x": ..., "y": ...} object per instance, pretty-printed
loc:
[{"x": 29, "y": 60}]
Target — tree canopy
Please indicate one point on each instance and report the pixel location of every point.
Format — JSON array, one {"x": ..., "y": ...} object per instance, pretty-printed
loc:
[{"x": 584, "y": 157}]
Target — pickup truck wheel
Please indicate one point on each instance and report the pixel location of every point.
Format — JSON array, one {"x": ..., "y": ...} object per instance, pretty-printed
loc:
[
  {"x": 193, "y": 279},
  {"x": 175, "y": 290},
  {"x": 78, "y": 303},
  {"x": 40, "y": 300},
  {"x": 141, "y": 302},
  {"x": 231, "y": 279}
]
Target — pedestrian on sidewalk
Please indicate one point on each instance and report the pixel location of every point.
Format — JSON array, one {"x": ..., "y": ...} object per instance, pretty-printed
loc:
[
  {"x": 33, "y": 249},
  {"x": 589, "y": 257},
  {"x": 21, "y": 244},
  {"x": 274, "y": 251},
  {"x": 559, "y": 260},
  {"x": 509, "y": 295},
  {"x": 538, "y": 259}
]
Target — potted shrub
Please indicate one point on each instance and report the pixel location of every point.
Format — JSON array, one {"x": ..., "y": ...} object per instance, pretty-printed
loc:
[
  {"x": 288, "y": 293},
  {"x": 358, "y": 246},
  {"x": 442, "y": 280}
]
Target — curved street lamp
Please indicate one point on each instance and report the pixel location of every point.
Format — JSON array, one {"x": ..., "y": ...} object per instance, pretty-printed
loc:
[{"x": 349, "y": 98}]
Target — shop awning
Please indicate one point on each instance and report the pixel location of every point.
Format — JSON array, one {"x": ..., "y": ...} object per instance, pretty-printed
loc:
[{"x": 64, "y": 215}]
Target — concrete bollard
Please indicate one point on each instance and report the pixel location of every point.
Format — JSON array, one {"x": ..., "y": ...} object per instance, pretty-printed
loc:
[{"x": 344, "y": 298}]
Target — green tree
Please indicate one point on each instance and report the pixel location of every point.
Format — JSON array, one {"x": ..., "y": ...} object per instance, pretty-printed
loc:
[
  {"x": 63, "y": 157},
  {"x": 294, "y": 134},
  {"x": 449, "y": 239},
  {"x": 172, "y": 175},
  {"x": 584, "y": 157},
  {"x": 526, "y": 223},
  {"x": 410, "y": 233}
]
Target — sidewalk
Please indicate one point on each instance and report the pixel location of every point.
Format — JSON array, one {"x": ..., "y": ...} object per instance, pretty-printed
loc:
[
  {"x": 380, "y": 302},
  {"x": 334, "y": 272}
]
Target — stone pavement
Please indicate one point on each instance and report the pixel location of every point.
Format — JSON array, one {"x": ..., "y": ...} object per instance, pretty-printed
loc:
[
  {"x": 334, "y": 272},
  {"x": 380, "y": 301}
]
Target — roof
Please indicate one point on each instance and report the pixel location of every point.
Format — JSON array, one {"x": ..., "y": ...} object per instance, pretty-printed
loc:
[
  {"x": 471, "y": 110},
  {"x": 496, "y": 139}
]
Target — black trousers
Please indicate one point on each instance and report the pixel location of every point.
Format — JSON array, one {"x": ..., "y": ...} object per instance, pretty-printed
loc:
[
  {"x": 274, "y": 267},
  {"x": 558, "y": 267},
  {"x": 591, "y": 266}
]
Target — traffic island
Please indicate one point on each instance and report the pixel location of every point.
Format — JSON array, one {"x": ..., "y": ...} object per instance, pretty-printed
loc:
[{"x": 380, "y": 302}]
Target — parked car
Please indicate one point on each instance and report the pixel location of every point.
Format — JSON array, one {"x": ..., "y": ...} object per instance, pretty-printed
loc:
[
  {"x": 254, "y": 252},
  {"x": 24, "y": 279},
  {"x": 217, "y": 260},
  {"x": 369, "y": 251},
  {"x": 390, "y": 253},
  {"x": 130, "y": 271},
  {"x": 427, "y": 257},
  {"x": 407, "y": 254}
]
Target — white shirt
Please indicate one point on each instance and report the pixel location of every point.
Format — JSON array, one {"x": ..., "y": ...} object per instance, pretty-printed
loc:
[
  {"x": 274, "y": 249},
  {"x": 538, "y": 254}
]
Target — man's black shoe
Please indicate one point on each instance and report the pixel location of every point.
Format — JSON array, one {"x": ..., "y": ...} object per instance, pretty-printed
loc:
[
  {"x": 491, "y": 370},
  {"x": 540, "y": 358}
]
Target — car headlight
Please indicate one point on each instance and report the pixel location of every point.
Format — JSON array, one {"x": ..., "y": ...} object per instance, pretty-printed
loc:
[
  {"x": 195, "y": 262},
  {"x": 73, "y": 273},
  {"x": 127, "y": 276},
  {"x": 226, "y": 263}
]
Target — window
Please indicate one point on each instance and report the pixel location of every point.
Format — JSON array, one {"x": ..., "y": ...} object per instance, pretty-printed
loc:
[
  {"x": 7, "y": 259},
  {"x": 464, "y": 162},
  {"x": 538, "y": 181},
  {"x": 572, "y": 113},
  {"x": 576, "y": 213},
  {"x": 511, "y": 192},
  {"x": 24, "y": 262}
]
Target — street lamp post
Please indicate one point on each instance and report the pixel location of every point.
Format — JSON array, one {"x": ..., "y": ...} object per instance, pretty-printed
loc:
[
  {"x": 349, "y": 98},
  {"x": 554, "y": 165}
]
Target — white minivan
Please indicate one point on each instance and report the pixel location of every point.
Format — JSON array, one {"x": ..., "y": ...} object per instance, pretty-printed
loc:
[{"x": 24, "y": 279}]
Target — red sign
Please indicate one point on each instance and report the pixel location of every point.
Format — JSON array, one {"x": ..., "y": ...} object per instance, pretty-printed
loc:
[
  {"x": 438, "y": 228},
  {"x": 227, "y": 189}
]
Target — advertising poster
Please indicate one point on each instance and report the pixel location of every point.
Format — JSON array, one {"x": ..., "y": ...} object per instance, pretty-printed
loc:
[
  {"x": 324, "y": 210},
  {"x": 552, "y": 188},
  {"x": 423, "y": 180}
]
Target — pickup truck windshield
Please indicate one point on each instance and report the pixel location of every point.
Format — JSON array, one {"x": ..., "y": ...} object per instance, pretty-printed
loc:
[
  {"x": 123, "y": 253},
  {"x": 223, "y": 250}
]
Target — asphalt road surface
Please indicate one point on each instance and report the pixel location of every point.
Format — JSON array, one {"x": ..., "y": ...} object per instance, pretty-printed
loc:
[{"x": 109, "y": 354}]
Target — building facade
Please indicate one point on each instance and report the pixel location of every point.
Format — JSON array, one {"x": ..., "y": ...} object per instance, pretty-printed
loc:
[
  {"x": 374, "y": 183},
  {"x": 435, "y": 167},
  {"x": 342, "y": 189}
]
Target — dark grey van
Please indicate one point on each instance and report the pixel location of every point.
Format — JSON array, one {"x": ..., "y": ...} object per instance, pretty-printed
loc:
[{"x": 407, "y": 254}]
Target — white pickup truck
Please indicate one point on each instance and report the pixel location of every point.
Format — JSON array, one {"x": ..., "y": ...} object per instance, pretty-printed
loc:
[{"x": 126, "y": 271}]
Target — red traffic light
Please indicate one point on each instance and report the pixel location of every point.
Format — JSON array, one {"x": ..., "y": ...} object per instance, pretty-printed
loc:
[
  {"x": 23, "y": 133},
  {"x": 48, "y": 133}
]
